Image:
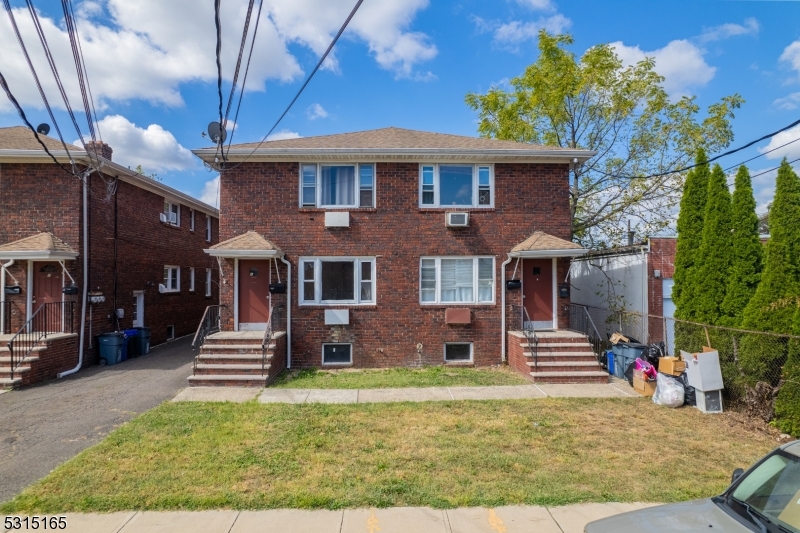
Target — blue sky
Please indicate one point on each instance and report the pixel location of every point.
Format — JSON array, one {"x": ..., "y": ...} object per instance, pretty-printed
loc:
[{"x": 405, "y": 63}]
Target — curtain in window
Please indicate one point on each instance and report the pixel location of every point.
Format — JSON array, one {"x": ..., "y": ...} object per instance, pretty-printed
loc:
[
  {"x": 338, "y": 185},
  {"x": 457, "y": 280}
]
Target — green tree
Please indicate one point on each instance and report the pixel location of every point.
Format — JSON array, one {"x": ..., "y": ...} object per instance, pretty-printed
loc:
[
  {"x": 690, "y": 236},
  {"x": 153, "y": 176},
  {"x": 746, "y": 251},
  {"x": 787, "y": 404},
  {"x": 710, "y": 277},
  {"x": 773, "y": 305},
  {"x": 596, "y": 103}
]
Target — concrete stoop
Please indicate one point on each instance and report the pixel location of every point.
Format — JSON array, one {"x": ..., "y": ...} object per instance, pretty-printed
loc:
[
  {"x": 235, "y": 360},
  {"x": 561, "y": 357}
]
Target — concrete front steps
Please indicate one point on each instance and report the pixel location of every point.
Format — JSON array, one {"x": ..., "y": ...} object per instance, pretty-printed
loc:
[
  {"x": 562, "y": 357},
  {"x": 235, "y": 359},
  {"x": 55, "y": 353}
]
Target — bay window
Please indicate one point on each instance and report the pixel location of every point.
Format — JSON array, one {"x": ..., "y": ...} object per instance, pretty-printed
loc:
[
  {"x": 456, "y": 280},
  {"x": 345, "y": 185},
  {"x": 337, "y": 280},
  {"x": 451, "y": 185}
]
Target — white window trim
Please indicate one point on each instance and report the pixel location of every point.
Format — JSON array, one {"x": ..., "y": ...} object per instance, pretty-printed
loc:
[
  {"x": 177, "y": 214},
  {"x": 191, "y": 279},
  {"x": 318, "y": 185},
  {"x": 438, "y": 259},
  {"x": 208, "y": 228},
  {"x": 324, "y": 344},
  {"x": 456, "y": 361},
  {"x": 191, "y": 219},
  {"x": 208, "y": 282},
  {"x": 318, "y": 281},
  {"x": 178, "y": 274},
  {"x": 475, "y": 186}
]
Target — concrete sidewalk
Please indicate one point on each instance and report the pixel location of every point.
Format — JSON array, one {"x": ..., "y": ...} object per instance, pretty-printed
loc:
[
  {"x": 567, "y": 519},
  {"x": 614, "y": 389}
]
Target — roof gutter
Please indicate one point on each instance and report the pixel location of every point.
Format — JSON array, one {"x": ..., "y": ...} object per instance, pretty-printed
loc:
[
  {"x": 547, "y": 254},
  {"x": 38, "y": 255},
  {"x": 245, "y": 254}
]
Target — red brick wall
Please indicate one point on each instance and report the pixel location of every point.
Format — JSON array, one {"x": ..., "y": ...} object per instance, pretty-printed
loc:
[
  {"x": 61, "y": 355},
  {"x": 264, "y": 197},
  {"x": 516, "y": 355},
  {"x": 661, "y": 257},
  {"x": 41, "y": 197}
]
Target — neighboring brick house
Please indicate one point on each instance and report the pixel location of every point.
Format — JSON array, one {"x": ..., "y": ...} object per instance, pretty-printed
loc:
[
  {"x": 636, "y": 278},
  {"x": 142, "y": 235},
  {"x": 395, "y": 245}
]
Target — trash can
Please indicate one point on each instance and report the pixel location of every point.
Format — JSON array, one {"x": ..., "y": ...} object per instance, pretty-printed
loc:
[
  {"x": 143, "y": 341},
  {"x": 132, "y": 342},
  {"x": 610, "y": 361},
  {"x": 111, "y": 347},
  {"x": 626, "y": 353}
]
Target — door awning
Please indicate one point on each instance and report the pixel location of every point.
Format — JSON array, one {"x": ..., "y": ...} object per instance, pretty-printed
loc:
[
  {"x": 541, "y": 244},
  {"x": 250, "y": 245},
  {"x": 40, "y": 247}
]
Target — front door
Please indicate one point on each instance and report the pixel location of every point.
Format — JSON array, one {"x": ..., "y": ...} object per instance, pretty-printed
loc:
[
  {"x": 537, "y": 292},
  {"x": 47, "y": 290},
  {"x": 253, "y": 294}
]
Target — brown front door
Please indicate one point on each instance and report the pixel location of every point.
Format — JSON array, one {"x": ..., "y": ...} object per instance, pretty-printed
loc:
[
  {"x": 47, "y": 287},
  {"x": 253, "y": 294},
  {"x": 537, "y": 291}
]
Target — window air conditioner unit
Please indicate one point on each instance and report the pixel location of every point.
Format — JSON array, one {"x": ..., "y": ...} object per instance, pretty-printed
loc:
[
  {"x": 173, "y": 218},
  {"x": 457, "y": 220},
  {"x": 162, "y": 288},
  {"x": 162, "y": 217}
]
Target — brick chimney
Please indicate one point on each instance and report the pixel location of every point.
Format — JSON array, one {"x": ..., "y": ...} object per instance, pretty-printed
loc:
[{"x": 100, "y": 148}]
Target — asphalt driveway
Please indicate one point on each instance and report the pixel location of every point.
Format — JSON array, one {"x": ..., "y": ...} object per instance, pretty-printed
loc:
[{"x": 44, "y": 425}]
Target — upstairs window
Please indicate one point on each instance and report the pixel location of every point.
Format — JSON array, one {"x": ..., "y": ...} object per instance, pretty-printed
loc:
[
  {"x": 337, "y": 280},
  {"x": 445, "y": 185},
  {"x": 337, "y": 185},
  {"x": 208, "y": 228},
  {"x": 172, "y": 212},
  {"x": 191, "y": 219},
  {"x": 172, "y": 278}
]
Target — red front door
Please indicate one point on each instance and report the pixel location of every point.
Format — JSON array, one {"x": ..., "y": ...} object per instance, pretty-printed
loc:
[
  {"x": 537, "y": 290},
  {"x": 253, "y": 294},
  {"x": 47, "y": 287}
]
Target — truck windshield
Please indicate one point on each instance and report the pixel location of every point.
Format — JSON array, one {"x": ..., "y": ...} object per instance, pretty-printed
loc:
[{"x": 773, "y": 491}]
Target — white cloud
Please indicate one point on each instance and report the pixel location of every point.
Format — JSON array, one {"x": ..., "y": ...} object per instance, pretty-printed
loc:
[
  {"x": 791, "y": 55},
  {"x": 316, "y": 111},
  {"x": 283, "y": 134},
  {"x": 680, "y": 62},
  {"x": 789, "y": 102},
  {"x": 155, "y": 148},
  {"x": 210, "y": 194},
  {"x": 147, "y": 49},
  {"x": 725, "y": 31},
  {"x": 792, "y": 151},
  {"x": 542, "y": 5},
  {"x": 511, "y": 34}
]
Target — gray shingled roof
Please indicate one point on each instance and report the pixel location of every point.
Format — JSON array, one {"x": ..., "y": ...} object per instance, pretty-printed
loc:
[
  {"x": 21, "y": 138},
  {"x": 250, "y": 241},
  {"x": 541, "y": 241},
  {"x": 41, "y": 242}
]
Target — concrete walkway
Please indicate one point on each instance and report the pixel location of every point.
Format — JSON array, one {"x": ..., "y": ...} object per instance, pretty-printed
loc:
[
  {"x": 567, "y": 519},
  {"x": 615, "y": 389}
]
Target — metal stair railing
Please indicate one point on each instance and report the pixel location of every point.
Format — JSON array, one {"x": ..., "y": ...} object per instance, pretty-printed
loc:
[
  {"x": 210, "y": 323},
  {"x": 530, "y": 334},
  {"x": 49, "y": 318},
  {"x": 581, "y": 321},
  {"x": 266, "y": 341}
]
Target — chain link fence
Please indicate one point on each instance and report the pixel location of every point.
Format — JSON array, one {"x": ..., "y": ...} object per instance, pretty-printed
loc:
[{"x": 752, "y": 362}]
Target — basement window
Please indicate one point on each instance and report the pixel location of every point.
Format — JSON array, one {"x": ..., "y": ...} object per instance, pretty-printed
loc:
[
  {"x": 337, "y": 354},
  {"x": 458, "y": 352}
]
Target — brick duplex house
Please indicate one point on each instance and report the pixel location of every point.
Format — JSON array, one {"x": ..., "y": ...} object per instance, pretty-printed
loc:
[
  {"x": 144, "y": 254},
  {"x": 394, "y": 247}
]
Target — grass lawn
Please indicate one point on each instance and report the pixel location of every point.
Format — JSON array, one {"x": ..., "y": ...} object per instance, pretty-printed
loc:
[
  {"x": 431, "y": 376},
  {"x": 441, "y": 454}
]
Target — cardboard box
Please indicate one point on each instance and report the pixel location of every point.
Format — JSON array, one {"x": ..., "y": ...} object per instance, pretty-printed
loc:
[
  {"x": 791, "y": 514},
  {"x": 618, "y": 337},
  {"x": 673, "y": 366},
  {"x": 640, "y": 385},
  {"x": 703, "y": 369}
]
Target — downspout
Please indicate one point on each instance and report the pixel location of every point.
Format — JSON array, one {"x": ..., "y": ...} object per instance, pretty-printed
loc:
[
  {"x": 3, "y": 290},
  {"x": 503, "y": 306},
  {"x": 288, "y": 312},
  {"x": 85, "y": 277}
]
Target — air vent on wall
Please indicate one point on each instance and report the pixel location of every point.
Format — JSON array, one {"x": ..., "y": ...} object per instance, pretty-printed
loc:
[{"x": 457, "y": 220}]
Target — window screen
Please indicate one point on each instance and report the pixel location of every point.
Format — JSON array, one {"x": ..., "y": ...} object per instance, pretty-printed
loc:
[{"x": 333, "y": 354}]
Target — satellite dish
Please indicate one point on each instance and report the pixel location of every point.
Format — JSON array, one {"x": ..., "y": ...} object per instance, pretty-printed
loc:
[
  {"x": 43, "y": 129},
  {"x": 217, "y": 132}
]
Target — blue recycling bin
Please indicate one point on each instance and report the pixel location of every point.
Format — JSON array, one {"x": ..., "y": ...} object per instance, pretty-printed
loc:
[
  {"x": 132, "y": 343},
  {"x": 610, "y": 361},
  {"x": 111, "y": 347}
]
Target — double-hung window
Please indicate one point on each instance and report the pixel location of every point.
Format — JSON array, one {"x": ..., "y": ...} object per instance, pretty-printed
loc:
[
  {"x": 208, "y": 283},
  {"x": 345, "y": 185},
  {"x": 451, "y": 185},
  {"x": 173, "y": 213},
  {"x": 208, "y": 228},
  {"x": 172, "y": 278},
  {"x": 191, "y": 279},
  {"x": 456, "y": 280},
  {"x": 191, "y": 219},
  {"x": 337, "y": 280}
]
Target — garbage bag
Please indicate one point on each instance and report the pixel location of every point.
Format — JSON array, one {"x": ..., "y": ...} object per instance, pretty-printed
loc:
[
  {"x": 669, "y": 391},
  {"x": 690, "y": 397},
  {"x": 629, "y": 373},
  {"x": 654, "y": 352}
]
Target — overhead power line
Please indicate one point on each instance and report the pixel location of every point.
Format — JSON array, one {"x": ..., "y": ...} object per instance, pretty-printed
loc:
[
  {"x": 774, "y": 168},
  {"x": 761, "y": 155}
]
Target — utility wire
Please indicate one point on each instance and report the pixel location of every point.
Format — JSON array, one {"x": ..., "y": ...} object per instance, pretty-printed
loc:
[
  {"x": 774, "y": 168},
  {"x": 761, "y": 155},
  {"x": 305, "y": 83},
  {"x": 83, "y": 74},
  {"x": 218, "y": 52},
  {"x": 245, "y": 31}
]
